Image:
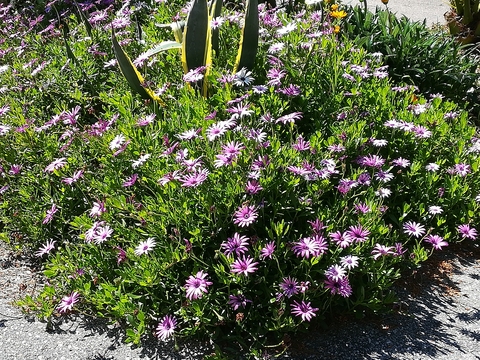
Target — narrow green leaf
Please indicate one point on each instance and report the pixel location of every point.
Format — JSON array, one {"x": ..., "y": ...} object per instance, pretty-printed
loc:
[
  {"x": 138, "y": 29},
  {"x": 133, "y": 76},
  {"x": 163, "y": 46},
  {"x": 247, "y": 51},
  {"x": 88, "y": 26},
  {"x": 70, "y": 53}
]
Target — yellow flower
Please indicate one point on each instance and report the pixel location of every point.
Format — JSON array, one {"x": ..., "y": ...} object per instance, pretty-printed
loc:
[
  {"x": 338, "y": 14},
  {"x": 336, "y": 29},
  {"x": 334, "y": 7}
]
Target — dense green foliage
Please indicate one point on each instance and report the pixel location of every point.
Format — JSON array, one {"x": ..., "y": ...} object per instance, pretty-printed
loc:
[{"x": 296, "y": 190}]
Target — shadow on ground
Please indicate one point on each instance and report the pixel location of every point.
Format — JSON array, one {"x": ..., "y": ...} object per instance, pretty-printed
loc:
[{"x": 433, "y": 311}]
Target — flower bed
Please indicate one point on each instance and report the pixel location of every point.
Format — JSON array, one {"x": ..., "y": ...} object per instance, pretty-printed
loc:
[{"x": 300, "y": 187}]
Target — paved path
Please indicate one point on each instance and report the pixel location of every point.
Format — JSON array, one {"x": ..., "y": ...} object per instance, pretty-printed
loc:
[{"x": 418, "y": 10}]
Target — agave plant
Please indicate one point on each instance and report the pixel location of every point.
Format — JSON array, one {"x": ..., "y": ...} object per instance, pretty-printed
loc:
[
  {"x": 197, "y": 42},
  {"x": 464, "y": 20}
]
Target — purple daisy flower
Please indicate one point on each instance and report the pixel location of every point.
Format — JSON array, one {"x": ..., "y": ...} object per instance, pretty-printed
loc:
[
  {"x": 268, "y": 250},
  {"x": 49, "y": 215},
  {"x": 362, "y": 208},
  {"x": 68, "y": 302},
  {"x": 384, "y": 176},
  {"x": 45, "y": 249},
  {"x": 432, "y": 167},
  {"x": 414, "y": 229},
  {"x": 341, "y": 286},
  {"x": 341, "y": 239},
  {"x": 304, "y": 310},
  {"x": 101, "y": 234},
  {"x": 244, "y": 266},
  {"x": 289, "y": 118},
  {"x": 301, "y": 144},
  {"x": 253, "y": 187},
  {"x": 245, "y": 215},
  {"x": 289, "y": 286},
  {"x": 130, "y": 181},
  {"x": 98, "y": 209},
  {"x": 436, "y": 241},
  {"x": 335, "y": 272},
  {"x": 467, "y": 232},
  {"x": 349, "y": 261},
  {"x": 371, "y": 161},
  {"x": 434, "y": 210},
  {"x": 235, "y": 301},
  {"x": 382, "y": 250},
  {"x": 166, "y": 327},
  {"x": 197, "y": 285},
  {"x": 56, "y": 164},
  {"x": 145, "y": 246},
  {"x": 236, "y": 244},
  {"x": 357, "y": 233},
  {"x": 310, "y": 246},
  {"x": 194, "y": 179},
  {"x": 401, "y": 162},
  {"x": 462, "y": 169}
]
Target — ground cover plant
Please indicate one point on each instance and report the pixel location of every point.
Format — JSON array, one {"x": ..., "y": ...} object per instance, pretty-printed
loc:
[
  {"x": 418, "y": 55},
  {"x": 297, "y": 188}
]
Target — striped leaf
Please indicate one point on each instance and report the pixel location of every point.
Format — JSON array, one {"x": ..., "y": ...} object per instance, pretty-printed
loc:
[
  {"x": 247, "y": 51},
  {"x": 215, "y": 11},
  {"x": 195, "y": 36},
  {"x": 177, "y": 28},
  {"x": 133, "y": 76},
  {"x": 163, "y": 46}
]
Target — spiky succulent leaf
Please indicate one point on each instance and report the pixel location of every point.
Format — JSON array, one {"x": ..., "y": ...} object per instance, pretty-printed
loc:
[
  {"x": 215, "y": 11},
  {"x": 195, "y": 36},
  {"x": 247, "y": 51},
  {"x": 133, "y": 76}
]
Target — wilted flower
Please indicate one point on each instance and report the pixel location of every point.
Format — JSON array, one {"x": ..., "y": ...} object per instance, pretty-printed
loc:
[
  {"x": 45, "y": 249},
  {"x": 235, "y": 301}
]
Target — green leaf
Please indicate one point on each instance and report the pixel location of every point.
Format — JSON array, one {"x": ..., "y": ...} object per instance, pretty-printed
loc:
[
  {"x": 195, "y": 36},
  {"x": 84, "y": 18},
  {"x": 215, "y": 11},
  {"x": 133, "y": 76},
  {"x": 177, "y": 28},
  {"x": 163, "y": 46},
  {"x": 247, "y": 51}
]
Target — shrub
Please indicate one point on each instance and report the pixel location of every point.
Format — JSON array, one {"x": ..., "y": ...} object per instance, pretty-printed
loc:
[
  {"x": 301, "y": 189},
  {"x": 415, "y": 54}
]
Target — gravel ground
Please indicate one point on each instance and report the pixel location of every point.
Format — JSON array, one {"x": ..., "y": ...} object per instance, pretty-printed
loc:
[{"x": 437, "y": 317}]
